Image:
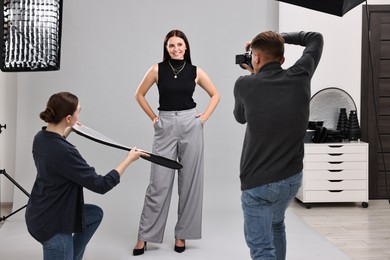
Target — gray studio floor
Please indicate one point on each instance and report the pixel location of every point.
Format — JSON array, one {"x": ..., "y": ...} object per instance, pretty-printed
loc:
[{"x": 222, "y": 239}]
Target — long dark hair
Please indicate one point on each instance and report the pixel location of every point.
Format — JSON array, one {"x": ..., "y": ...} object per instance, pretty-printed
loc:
[
  {"x": 180, "y": 34},
  {"x": 60, "y": 105}
]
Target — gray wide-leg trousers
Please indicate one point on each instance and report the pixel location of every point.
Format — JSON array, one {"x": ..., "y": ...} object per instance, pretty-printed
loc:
[{"x": 178, "y": 135}]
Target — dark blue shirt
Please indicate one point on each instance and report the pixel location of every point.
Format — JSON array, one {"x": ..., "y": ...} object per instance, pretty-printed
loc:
[{"x": 56, "y": 201}]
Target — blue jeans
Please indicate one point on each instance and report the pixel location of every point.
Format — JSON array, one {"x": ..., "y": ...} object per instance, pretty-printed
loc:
[
  {"x": 264, "y": 208},
  {"x": 67, "y": 246}
]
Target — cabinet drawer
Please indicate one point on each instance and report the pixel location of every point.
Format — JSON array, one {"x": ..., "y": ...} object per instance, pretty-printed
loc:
[
  {"x": 336, "y": 148},
  {"x": 327, "y": 185},
  {"x": 335, "y": 165},
  {"x": 340, "y": 196},
  {"x": 335, "y": 175},
  {"x": 334, "y": 157}
]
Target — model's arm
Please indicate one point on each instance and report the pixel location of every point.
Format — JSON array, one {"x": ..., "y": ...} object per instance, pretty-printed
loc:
[
  {"x": 205, "y": 82},
  {"x": 149, "y": 79}
]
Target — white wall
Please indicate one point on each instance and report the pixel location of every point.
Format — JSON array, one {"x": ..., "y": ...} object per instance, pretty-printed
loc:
[
  {"x": 106, "y": 49},
  {"x": 8, "y": 136},
  {"x": 340, "y": 65}
]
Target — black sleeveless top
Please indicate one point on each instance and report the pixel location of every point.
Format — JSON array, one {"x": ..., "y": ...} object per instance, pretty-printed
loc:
[{"x": 176, "y": 93}]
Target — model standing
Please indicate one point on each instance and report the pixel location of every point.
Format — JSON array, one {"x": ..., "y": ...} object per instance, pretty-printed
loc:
[{"x": 178, "y": 135}]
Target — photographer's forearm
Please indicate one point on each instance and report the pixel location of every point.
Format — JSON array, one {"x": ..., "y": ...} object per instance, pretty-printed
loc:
[
  {"x": 313, "y": 43},
  {"x": 292, "y": 38},
  {"x": 301, "y": 38}
]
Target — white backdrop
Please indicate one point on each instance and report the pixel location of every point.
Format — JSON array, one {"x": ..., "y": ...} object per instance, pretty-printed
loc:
[
  {"x": 8, "y": 134},
  {"x": 106, "y": 49}
]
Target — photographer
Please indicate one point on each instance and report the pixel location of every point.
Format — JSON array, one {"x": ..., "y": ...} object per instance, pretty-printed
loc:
[{"x": 274, "y": 102}]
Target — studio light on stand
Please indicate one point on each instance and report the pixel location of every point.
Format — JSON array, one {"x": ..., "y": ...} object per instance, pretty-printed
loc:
[
  {"x": 335, "y": 7},
  {"x": 30, "y": 40},
  {"x": 2, "y": 126},
  {"x": 30, "y": 35},
  {"x": 3, "y": 172}
]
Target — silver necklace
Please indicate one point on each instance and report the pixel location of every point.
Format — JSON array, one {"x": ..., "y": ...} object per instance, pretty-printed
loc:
[{"x": 176, "y": 71}]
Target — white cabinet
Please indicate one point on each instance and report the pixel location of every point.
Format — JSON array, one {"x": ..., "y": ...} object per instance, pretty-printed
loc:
[{"x": 335, "y": 172}]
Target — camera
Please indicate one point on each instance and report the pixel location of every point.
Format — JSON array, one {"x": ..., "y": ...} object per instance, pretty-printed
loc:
[{"x": 245, "y": 58}]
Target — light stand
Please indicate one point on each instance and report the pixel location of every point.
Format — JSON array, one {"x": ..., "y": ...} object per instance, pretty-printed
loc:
[
  {"x": 20, "y": 188},
  {"x": 14, "y": 182},
  {"x": 30, "y": 35}
]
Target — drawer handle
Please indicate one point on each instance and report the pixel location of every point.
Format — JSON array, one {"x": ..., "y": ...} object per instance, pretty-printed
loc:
[
  {"x": 335, "y": 170},
  {"x": 335, "y": 162},
  {"x": 335, "y": 154},
  {"x": 335, "y": 190},
  {"x": 335, "y": 180},
  {"x": 335, "y": 146}
]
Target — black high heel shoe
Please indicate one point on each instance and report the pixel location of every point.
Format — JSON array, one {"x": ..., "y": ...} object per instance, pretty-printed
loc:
[
  {"x": 139, "y": 251},
  {"x": 180, "y": 249}
]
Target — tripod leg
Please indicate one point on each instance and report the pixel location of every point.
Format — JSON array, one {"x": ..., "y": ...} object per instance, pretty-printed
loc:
[
  {"x": 20, "y": 188},
  {"x": 5, "y": 217},
  {"x": 14, "y": 182}
]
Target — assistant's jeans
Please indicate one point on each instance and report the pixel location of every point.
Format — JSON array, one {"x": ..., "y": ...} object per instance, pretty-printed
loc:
[
  {"x": 264, "y": 210},
  {"x": 67, "y": 246}
]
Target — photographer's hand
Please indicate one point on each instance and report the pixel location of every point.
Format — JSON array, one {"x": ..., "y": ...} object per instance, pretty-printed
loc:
[
  {"x": 247, "y": 48},
  {"x": 251, "y": 70},
  {"x": 248, "y": 45}
]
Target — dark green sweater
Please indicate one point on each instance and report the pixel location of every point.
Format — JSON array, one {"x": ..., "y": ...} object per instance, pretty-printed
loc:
[{"x": 275, "y": 106}]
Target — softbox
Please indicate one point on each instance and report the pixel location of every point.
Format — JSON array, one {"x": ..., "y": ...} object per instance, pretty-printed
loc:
[
  {"x": 335, "y": 7},
  {"x": 30, "y": 35}
]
